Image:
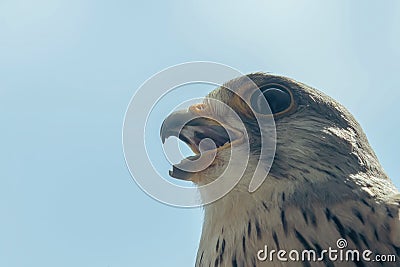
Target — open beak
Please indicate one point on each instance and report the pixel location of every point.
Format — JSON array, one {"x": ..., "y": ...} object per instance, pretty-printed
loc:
[{"x": 191, "y": 128}]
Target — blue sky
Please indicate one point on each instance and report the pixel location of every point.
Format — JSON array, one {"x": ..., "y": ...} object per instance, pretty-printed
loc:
[{"x": 68, "y": 70}]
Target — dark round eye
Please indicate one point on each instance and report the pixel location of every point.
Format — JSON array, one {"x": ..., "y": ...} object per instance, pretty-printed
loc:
[{"x": 278, "y": 99}]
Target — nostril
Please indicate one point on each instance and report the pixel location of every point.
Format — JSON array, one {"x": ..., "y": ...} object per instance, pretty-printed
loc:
[{"x": 197, "y": 107}]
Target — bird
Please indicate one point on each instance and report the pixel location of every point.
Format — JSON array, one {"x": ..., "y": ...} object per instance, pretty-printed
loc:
[{"x": 323, "y": 184}]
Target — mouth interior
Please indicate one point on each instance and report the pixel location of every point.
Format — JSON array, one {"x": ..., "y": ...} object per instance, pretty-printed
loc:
[{"x": 197, "y": 130}]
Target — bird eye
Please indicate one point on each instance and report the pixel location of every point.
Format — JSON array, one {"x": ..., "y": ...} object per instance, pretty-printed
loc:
[{"x": 278, "y": 99}]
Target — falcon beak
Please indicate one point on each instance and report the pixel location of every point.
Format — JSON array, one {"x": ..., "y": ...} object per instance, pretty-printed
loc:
[
  {"x": 173, "y": 126},
  {"x": 192, "y": 127}
]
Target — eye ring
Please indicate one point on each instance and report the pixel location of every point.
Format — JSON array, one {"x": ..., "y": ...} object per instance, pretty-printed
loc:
[{"x": 278, "y": 97}]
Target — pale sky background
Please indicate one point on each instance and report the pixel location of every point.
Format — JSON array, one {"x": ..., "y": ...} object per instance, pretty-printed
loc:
[{"x": 69, "y": 68}]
